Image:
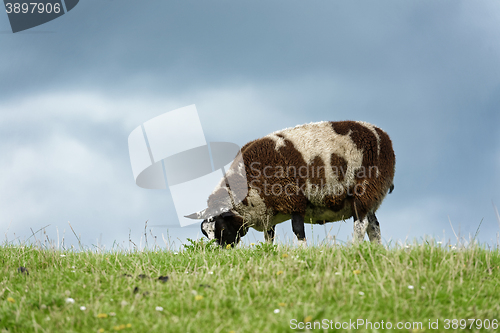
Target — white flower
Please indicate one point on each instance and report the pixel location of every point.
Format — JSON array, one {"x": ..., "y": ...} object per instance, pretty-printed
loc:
[
  {"x": 70, "y": 300},
  {"x": 83, "y": 308},
  {"x": 337, "y": 273},
  {"x": 210, "y": 272},
  {"x": 63, "y": 255},
  {"x": 159, "y": 308},
  {"x": 410, "y": 287},
  {"x": 361, "y": 293},
  {"x": 276, "y": 310}
]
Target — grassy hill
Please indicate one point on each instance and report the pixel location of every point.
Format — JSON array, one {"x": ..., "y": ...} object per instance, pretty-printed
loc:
[{"x": 421, "y": 287}]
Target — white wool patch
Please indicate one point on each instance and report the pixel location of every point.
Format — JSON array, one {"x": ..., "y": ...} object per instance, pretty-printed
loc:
[{"x": 319, "y": 139}]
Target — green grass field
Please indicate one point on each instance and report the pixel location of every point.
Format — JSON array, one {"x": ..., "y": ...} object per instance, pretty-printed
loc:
[{"x": 260, "y": 288}]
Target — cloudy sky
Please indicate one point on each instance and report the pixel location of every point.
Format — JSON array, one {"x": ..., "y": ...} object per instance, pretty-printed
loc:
[{"x": 73, "y": 89}]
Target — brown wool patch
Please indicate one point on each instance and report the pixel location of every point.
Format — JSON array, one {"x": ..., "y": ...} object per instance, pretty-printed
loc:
[
  {"x": 316, "y": 172},
  {"x": 339, "y": 166},
  {"x": 268, "y": 172}
]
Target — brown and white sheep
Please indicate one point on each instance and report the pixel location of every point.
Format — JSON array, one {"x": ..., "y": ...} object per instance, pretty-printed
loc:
[{"x": 314, "y": 173}]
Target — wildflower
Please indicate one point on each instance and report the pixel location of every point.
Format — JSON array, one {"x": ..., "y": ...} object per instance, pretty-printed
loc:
[
  {"x": 112, "y": 314},
  {"x": 119, "y": 327},
  {"x": 123, "y": 303},
  {"x": 276, "y": 310},
  {"x": 70, "y": 300},
  {"x": 83, "y": 308},
  {"x": 11, "y": 300},
  {"x": 159, "y": 308},
  {"x": 282, "y": 304},
  {"x": 228, "y": 246},
  {"x": 252, "y": 244},
  {"x": 284, "y": 255},
  {"x": 337, "y": 273},
  {"x": 410, "y": 287},
  {"x": 279, "y": 273},
  {"x": 308, "y": 319},
  {"x": 356, "y": 271},
  {"x": 101, "y": 330},
  {"x": 198, "y": 298},
  {"x": 63, "y": 255},
  {"x": 210, "y": 272},
  {"x": 102, "y": 315},
  {"x": 176, "y": 252},
  {"x": 129, "y": 325},
  {"x": 361, "y": 293}
]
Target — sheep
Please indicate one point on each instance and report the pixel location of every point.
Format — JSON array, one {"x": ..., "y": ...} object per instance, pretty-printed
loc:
[{"x": 314, "y": 173}]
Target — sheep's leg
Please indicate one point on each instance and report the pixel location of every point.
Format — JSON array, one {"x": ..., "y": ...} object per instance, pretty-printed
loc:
[
  {"x": 374, "y": 229},
  {"x": 360, "y": 226},
  {"x": 269, "y": 234},
  {"x": 298, "y": 228}
]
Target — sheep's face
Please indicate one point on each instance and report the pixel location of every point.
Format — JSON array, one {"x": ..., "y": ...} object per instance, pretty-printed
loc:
[{"x": 223, "y": 229}]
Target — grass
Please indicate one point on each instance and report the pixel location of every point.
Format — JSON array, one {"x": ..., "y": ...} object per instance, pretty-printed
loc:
[{"x": 261, "y": 288}]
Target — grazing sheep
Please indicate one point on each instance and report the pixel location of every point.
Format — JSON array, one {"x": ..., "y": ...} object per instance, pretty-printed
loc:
[{"x": 314, "y": 173}]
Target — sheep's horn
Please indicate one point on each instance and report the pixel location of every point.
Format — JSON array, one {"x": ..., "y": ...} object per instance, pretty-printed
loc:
[
  {"x": 201, "y": 215},
  {"x": 207, "y": 213}
]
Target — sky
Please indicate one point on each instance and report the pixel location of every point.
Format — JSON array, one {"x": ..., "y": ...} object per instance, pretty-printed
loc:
[{"x": 73, "y": 89}]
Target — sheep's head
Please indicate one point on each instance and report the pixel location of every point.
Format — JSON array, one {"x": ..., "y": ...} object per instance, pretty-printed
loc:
[{"x": 226, "y": 228}]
